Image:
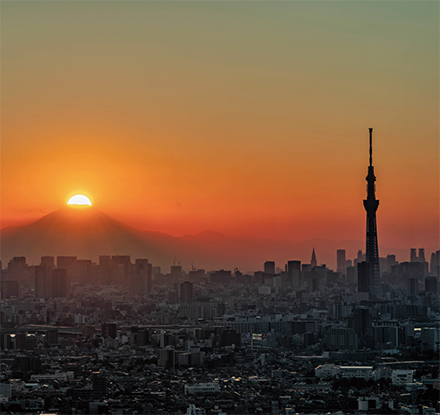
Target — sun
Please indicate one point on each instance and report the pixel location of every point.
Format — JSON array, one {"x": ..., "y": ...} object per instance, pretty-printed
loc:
[{"x": 79, "y": 200}]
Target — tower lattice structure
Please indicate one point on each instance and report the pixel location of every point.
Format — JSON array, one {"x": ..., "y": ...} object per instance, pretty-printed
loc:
[{"x": 371, "y": 204}]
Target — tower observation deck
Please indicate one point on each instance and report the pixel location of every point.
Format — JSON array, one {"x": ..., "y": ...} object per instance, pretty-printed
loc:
[{"x": 371, "y": 204}]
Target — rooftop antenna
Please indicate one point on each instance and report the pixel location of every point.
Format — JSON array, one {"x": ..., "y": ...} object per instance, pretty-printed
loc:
[{"x": 371, "y": 146}]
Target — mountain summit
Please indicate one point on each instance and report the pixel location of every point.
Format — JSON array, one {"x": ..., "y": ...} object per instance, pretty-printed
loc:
[{"x": 85, "y": 232}]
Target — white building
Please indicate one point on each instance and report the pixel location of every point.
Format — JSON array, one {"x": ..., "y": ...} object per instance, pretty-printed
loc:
[
  {"x": 326, "y": 371},
  {"x": 361, "y": 372},
  {"x": 192, "y": 410},
  {"x": 201, "y": 388},
  {"x": 401, "y": 377}
]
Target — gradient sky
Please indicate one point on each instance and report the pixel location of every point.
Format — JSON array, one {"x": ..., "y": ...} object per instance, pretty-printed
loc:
[{"x": 247, "y": 118}]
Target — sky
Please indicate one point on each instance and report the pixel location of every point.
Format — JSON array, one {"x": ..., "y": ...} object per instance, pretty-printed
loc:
[{"x": 246, "y": 118}]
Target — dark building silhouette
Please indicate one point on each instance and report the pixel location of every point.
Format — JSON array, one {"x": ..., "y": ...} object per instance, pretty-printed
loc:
[
  {"x": 104, "y": 269},
  {"x": 186, "y": 292},
  {"x": 313, "y": 261},
  {"x": 41, "y": 282},
  {"x": 221, "y": 277},
  {"x": 141, "y": 278},
  {"x": 269, "y": 267},
  {"x": 48, "y": 261},
  {"x": 413, "y": 287},
  {"x": 341, "y": 261},
  {"x": 431, "y": 284},
  {"x": 363, "y": 272},
  {"x": 371, "y": 204},
  {"x": 435, "y": 264},
  {"x": 109, "y": 330},
  {"x": 176, "y": 271},
  {"x": 59, "y": 283},
  {"x": 16, "y": 267},
  {"x": 294, "y": 272},
  {"x": 51, "y": 336},
  {"x": 9, "y": 289}
]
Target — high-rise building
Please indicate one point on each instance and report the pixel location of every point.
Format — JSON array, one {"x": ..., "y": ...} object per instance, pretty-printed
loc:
[
  {"x": 269, "y": 267},
  {"x": 431, "y": 284},
  {"x": 363, "y": 272},
  {"x": 186, "y": 292},
  {"x": 294, "y": 272},
  {"x": 371, "y": 204},
  {"x": 16, "y": 268},
  {"x": 41, "y": 282},
  {"x": 69, "y": 263},
  {"x": 313, "y": 261},
  {"x": 142, "y": 276},
  {"x": 59, "y": 283},
  {"x": 104, "y": 269},
  {"x": 435, "y": 264},
  {"x": 413, "y": 255},
  {"x": 341, "y": 262}
]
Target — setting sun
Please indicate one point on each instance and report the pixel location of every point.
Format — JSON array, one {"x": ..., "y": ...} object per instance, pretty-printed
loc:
[{"x": 79, "y": 200}]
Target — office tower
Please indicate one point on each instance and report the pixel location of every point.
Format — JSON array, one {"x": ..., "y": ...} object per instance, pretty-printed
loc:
[
  {"x": 120, "y": 269},
  {"x": 141, "y": 278},
  {"x": 431, "y": 285},
  {"x": 294, "y": 272},
  {"x": 341, "y": 262},
  {"x": 9, "y": 289},
  {"x": 421, "y": 254},
  {"x": 100, "y": 385},
  {"x": 16, "y": 267},
  {"x": 84, "y": 271},
  {"x": 196, "y": 275},
  {"x": 59, "y": 283},
  {"x": 413, "y": 287},
  {"x": 371, "y": 204},
  {"x": 391, "y": 261},
  {"x": 104, "y": 269},
  {"x": 413, "y": 255},
  {"x": 363, "y": 272},
  {"x": 186, "y": 292},
  {"x": 41, "y": 282},
  {"x": 313, "y": 262},
  {"x": 351, "y": 275},
  {"x": 269, "y": 267},
  {"x": 221, "y": 277},
  {"x": 176, "y": 271},
  {"x": 108, "y": 330},
  {"x": 362, "y": 323},
  {"x": 435, "y": 264},
  {"x": 48, "y": 261}
]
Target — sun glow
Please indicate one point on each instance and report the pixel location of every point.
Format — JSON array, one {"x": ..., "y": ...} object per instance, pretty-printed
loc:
[{"x": 79, "y": 200}]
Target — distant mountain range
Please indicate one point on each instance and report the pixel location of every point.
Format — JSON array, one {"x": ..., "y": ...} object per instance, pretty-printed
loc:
[{"x": 87, "y": 233}]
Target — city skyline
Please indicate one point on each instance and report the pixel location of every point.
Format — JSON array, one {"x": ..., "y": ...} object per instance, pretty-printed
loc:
[{"x": 168, "y": 133}]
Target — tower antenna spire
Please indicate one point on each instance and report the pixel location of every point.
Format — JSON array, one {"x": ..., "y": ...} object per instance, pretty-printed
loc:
[{"x": 371, "y": 146}]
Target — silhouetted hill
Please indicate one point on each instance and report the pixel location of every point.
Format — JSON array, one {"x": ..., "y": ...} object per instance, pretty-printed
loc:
[
  {"x": 87, "y": 233},
  {"x": 82, "y": 231}
]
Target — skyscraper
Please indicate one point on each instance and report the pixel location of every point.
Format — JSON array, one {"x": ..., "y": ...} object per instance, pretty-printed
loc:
[
  {"x": 341, "y": 262},
  {"x": 313, "y": 261},
  {"x": 371, "y": 204}
]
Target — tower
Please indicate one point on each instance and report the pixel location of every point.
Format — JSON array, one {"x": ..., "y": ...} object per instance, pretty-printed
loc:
[
  {"x": 341, "y": 262},
  {"x": 313, "y": 261},
  {"x": 371, "y": 204}
]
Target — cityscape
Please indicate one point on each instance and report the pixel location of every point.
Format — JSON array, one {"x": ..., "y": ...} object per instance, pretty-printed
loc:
[
  {"x": 123, "y": 336},
  {"x": 220, "y": 207}
]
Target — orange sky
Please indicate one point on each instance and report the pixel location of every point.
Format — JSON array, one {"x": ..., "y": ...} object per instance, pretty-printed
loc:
[{"x": 240, "y": 117}]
